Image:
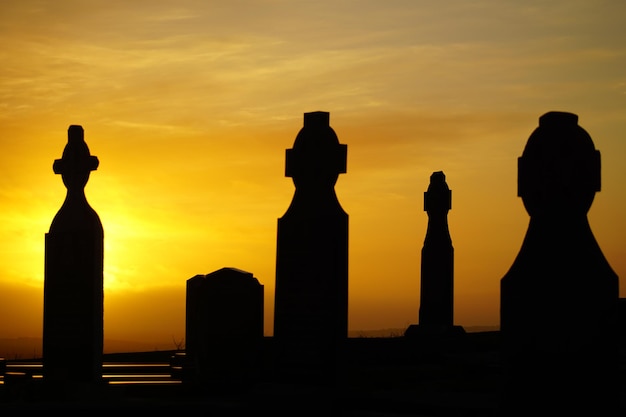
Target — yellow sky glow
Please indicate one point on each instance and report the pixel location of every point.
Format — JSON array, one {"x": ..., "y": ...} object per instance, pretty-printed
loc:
[{"x": 189, "y": 106}]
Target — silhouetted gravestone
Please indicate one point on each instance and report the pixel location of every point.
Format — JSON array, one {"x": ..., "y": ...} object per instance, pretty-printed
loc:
[
  {"x": 311, "y": 299},
  {"x": 73, "y": 286},
  {"x": 436, "y": 313},
  {"x": 224, "y": 327},
  {"x": 559, "y": 299}
]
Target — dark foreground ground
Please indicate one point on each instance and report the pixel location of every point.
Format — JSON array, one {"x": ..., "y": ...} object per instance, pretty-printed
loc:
[{"x": 382, "y": 377}]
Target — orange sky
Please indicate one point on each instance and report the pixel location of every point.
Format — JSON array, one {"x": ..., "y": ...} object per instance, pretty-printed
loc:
[{"x": 190, "y": 104}]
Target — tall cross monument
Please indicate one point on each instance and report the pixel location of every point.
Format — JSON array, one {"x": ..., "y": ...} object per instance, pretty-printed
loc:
[
  {"x": 73, "y": 285},
  {"x": 558, "y": 301},
  {"x": 311, "y": 303}
]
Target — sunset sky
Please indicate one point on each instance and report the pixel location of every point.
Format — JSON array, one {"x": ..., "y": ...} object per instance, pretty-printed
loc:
[{"x": 189, "y": 106}]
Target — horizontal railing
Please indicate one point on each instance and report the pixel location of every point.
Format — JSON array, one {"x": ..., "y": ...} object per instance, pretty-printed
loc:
[{"x": 112, "y": 372}]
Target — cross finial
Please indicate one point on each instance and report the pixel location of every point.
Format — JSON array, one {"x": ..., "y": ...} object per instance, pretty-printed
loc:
[
  {"x": 438, "y": 197},
  {"x": 317, "y": 157},
  {"x": 559, "y": 170},
  {"x": 76, "y": 163}
]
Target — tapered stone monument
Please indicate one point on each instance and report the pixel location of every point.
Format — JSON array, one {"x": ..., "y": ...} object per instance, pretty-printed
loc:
[
  {"x": 559, "y": 299},
  {"x": 311, "y": 299},
  {"x": 73, "y": 285},
  {"x": 436, "y": 311}
]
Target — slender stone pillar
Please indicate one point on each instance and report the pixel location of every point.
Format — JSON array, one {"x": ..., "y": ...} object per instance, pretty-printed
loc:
[
  {"x": 73, "y": 286},
  {"x": 311, "y": 303},
  {"x": 559, "y": 299},
  {"x": 437, "y": 284},
  {"x": 436, "y": 312}
]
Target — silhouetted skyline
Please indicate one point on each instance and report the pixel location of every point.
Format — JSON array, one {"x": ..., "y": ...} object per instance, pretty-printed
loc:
[{"x": 190, "y": 107}]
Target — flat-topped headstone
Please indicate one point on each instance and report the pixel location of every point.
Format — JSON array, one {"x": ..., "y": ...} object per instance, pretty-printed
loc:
[
  {"x": 311, "y": 299},
  {"x": 559, "y": 299},
  {"x": 224, "y": 327},
  {"x": 73, "y": 285}
]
